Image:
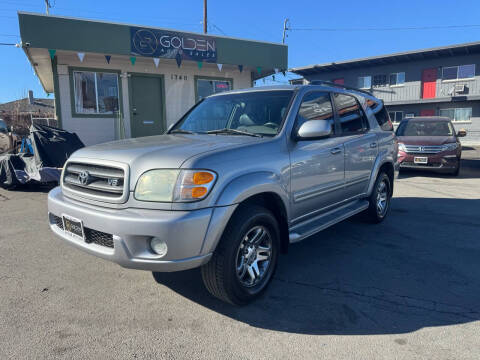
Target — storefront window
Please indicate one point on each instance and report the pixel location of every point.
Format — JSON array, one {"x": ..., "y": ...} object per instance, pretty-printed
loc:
[
  {"x": 95, "y": 92},
  {"x": 207, "y": 87}
]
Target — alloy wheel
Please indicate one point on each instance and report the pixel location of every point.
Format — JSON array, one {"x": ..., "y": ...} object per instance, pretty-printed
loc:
[
  {"x": 254, "y": 256},
  {"x": 382, "y": 198}
]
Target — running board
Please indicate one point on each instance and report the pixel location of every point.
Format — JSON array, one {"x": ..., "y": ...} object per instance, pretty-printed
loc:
[{"x": 312, "y": 226}]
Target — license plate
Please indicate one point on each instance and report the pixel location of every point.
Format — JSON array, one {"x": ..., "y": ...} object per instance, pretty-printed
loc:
[
  {"x": 73, "y": 227},
  {"x": 420, "y": 160}
]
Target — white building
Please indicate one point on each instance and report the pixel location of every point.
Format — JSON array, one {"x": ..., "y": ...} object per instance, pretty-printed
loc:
[{"x": 114, "y": 80}]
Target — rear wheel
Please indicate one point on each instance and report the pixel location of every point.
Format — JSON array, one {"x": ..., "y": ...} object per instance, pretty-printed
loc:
[
  {"x": 246, "y": 257},
  {"x": 379, "y": 199}
]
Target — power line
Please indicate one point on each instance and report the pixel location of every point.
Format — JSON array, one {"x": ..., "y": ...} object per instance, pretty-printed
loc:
[{"x": 386, "y": 28}]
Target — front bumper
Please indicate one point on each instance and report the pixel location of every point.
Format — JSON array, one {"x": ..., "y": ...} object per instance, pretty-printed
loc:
[
  {"x": 444, "y": 162},
  {"x": 185, "y": 232}
]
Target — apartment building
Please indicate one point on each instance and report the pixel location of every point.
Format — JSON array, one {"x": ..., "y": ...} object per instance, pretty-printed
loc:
[{"x": 443, "y": 81}]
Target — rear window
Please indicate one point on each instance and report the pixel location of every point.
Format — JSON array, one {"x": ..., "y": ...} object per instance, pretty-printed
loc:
[{"x": 381, "y": 114}]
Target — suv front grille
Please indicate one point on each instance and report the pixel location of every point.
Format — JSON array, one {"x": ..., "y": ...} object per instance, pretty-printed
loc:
[
  {"x": 94, "y": 180},
  {"x": 423, "y": 149},
  {"x": 91, "y": 236}
]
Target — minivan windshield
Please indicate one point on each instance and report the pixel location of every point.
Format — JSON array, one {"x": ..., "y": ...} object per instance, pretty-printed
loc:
[
  {"x": 425, "y": 128},
  {"x": 255, "y": 113}
]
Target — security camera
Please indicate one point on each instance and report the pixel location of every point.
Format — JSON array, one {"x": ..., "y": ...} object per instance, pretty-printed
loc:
[{"x": 27, "y": 44}]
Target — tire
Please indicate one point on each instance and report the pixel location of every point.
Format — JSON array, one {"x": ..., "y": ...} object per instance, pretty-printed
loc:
[
  {"x": 456, "y": 172},
  {"x": 227, "y": 275},
  {"x": 376, "y": 214}
]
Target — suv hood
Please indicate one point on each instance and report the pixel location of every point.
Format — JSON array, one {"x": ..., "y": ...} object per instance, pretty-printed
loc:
[
  {"x": 426, "y": 140},
  {"x": 162, "y": 151}
]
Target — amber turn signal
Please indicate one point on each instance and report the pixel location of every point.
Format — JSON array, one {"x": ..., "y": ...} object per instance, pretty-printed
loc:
[
  {"x": 198, "y": 192},
  {"x": 202, "y": 177}
]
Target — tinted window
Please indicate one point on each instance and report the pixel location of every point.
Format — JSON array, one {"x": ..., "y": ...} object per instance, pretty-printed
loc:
[
  {"x": 316, "y": 106},
  {"x": 381, "y": 114},
  {"x": 425, "y": 128},
  {"x": 259, "y": 112},
  {"x": 450, "y": 73},
  {"x": 3, "y": 126},
  {"x": 379, "y": 80},
  {"x": 350, "y": 114}
]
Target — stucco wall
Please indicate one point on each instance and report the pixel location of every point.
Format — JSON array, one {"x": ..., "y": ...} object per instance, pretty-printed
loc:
[{"x": 179, "y": 94}]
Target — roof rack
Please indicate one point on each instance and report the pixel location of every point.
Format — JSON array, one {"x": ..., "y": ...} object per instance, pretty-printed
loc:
[{"x": 329, "y": 83}]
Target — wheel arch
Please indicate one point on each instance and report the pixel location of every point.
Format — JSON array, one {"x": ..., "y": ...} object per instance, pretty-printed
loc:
[
  {"x": 385, "y": 163},
  {"x": 259, "y": 188}
]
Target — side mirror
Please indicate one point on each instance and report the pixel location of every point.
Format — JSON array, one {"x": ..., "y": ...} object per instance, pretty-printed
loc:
[
  {"x": 314, "y": 129},
  {"x": 462, "y": 133}
]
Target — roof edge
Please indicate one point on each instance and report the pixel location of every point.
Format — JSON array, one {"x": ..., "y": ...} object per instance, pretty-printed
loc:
[{"x": 384, "y": 56}]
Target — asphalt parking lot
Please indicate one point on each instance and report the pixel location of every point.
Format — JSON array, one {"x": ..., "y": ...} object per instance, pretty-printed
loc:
[{"x": 408, "y": 288}]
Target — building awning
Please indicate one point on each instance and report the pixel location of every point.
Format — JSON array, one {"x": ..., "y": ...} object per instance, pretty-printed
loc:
[
  {"x": 444, "y": 51},
  {"x": 41, "y": 33}
]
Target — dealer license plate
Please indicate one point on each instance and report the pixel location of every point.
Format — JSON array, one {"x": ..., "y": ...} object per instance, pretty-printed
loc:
[
  {"x": 420, "y": 160},
  {"x": 73, "y": 227}
]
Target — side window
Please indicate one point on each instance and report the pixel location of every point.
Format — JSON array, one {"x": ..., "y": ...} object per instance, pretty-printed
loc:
[
  {"x": 316, "y": 106},
  {"x": 381, "y": 114},
  {"x": 352, "y": 119}
]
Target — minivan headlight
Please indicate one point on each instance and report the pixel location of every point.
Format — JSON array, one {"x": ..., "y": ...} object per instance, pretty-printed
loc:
[
  {"x": 169, "y": 185},
  {"x": 401, "y": 147}
]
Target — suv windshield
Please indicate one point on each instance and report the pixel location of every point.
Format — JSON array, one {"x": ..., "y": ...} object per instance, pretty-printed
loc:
[
  {"x": 258, "y": 112},
  {"x": 425, "y": 128}
]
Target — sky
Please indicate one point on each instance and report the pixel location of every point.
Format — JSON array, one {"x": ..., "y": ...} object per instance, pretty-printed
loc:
[{"x": 260, "y": 20}]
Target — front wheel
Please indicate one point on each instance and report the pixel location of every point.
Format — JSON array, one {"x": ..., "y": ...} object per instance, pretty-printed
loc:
[
  {"x": 379, "y": 201},
  {"x": 246, "y": 257}
]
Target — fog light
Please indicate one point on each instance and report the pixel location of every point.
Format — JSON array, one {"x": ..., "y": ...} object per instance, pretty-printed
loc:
[{"x": 159, "y": 246}]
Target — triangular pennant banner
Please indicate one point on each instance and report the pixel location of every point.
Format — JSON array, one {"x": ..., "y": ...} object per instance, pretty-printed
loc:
[
  {"x": 133, "y": 59},
  {"x": 108, "y": 57},
  {"x": 178, "y": 58},
  {"x": 276, "y": 71},
  {"x": 219, "y": 67},
  {"x": 52, "y": 53},
  {"x": 259, "y": 70},
  {"x": 156, "y": 61},
  {"x": 200, "y": 64},
  {"x": 81, "y": 55},
  {"x": 240, "y": 68}
]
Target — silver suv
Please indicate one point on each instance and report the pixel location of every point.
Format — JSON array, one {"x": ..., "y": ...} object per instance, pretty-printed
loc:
[{"x": 236, "y": 180}]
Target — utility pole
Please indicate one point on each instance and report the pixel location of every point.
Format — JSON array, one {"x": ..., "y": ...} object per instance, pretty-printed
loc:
[
  {"x": 285, "y": 28},
  {"x": 47, "y": 6},
  {"x": 205, "y": 16}
]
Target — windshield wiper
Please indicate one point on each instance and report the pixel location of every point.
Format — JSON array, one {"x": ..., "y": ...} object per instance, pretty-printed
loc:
[
  {"x": 233, "y": 132},
  {"x": 180, "y": 131}
]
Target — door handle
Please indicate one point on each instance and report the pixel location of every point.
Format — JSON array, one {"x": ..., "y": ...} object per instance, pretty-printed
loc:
[
  {"x": 335, "y": 151},
  {"x": 373, "y": 145}
]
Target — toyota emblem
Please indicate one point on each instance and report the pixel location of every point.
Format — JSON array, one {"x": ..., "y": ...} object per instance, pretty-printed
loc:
[{"x": 84, "y": 177}]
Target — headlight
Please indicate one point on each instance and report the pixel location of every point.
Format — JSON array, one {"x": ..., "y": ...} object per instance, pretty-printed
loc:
[
  {"x": 164, "y": 185},
  {"x": 448, "y": 147},
  {"x": 401, "y": 147}
]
